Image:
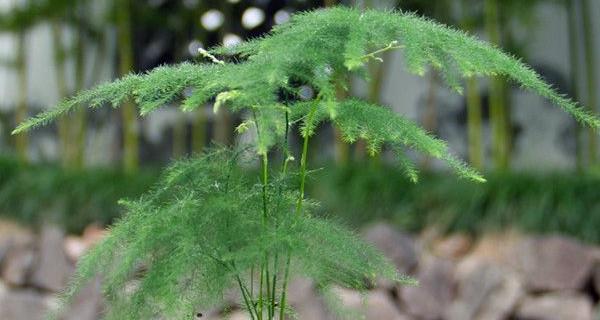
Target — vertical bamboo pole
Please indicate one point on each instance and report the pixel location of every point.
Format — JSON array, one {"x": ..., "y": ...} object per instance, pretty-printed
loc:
[
  {"x": 377, "y": 74},
  {"x": 21, "y": 140},
  {"x": 498, "y": 112},
  {"x": 342, "y": 149},
  {"x": 430, "y": 114},
  {"x": 79, "y": 120},
  {"x": 199, "y": 130},
  {"x": 473, "y": 105},
  {"x": 591, "y": 78},
  {"x": 574, "y": 41},
  {"x": 474, "y": 126},
  {"x": 63, "y": 91},
  {"x": 126, "y": 65}
]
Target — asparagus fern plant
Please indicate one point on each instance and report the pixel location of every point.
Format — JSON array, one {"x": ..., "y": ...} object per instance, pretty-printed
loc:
[{"x": 206, "y": 227}]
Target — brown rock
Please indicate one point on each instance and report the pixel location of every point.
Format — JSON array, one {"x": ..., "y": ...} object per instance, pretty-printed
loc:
[
  {"x": 498, "y": 249},
  {"x": 453, "y": 247},
  {"x": 374, "y": 305},
  {"x": 93, "y": 234},
  {"x": 556, "y": 306},
  {"x": 398, "y": 247},
  {"x": 75, "y": 247},
  {"x": 435, "y": 291},
  {"x": 17, "y": 265},
  {"x": 23, "y": 304},
  {"x": 554, "y": 263},
  {"x": 486, "y": 292},
  {"x": 52, "y": 269},
  {"x": 13, "y": 235}
]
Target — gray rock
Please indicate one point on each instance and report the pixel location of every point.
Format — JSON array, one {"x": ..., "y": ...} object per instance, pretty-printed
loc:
[
  {"x": 17, "y": 265},
  {"x": 87, "y": 304},
  {"x": 435, "y": 291},
  {"x": 374, "y": 305},
  {"x": 597, "y": 278},
  {"x": 302, "y": 297},
  {"x": 556, "y": 306},
  {"x": 52, "y": 269},
  {"x": 554, "y": 263},
  {"x": 398, "y": 247},
  {"x": 23, "y": 304},
  {"x": 486, "y": 292},
  {"x": 237, "y": 315}
]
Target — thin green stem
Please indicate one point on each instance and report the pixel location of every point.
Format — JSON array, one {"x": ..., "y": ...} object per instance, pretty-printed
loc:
[
  {"x": 284, "y": 288},
  {"x": 373, "y": 55},
  {"x": 303, "y": 160},
  {"x": 298, "y": 205},
  {"x": 247, "y": 301},
  {"x": 274, "y": 287},
  {"x": 260, "y": 292}
]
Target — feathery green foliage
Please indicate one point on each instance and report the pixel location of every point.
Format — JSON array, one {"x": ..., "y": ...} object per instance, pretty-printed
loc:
[
  {"x": 310, "y": 50},
  {"x": 205, "y": 228},
  {"x": 216, "y": 232}
]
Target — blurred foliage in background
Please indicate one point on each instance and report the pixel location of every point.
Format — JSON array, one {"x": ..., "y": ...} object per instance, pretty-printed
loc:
[
  {"x": 150, "y": 33},
  {"x": 358, "y": 194}
]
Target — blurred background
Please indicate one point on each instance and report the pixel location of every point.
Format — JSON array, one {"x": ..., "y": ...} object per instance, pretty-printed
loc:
[{"x": 543, "y": 169}]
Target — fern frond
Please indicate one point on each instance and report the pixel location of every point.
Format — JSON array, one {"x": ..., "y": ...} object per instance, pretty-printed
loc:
[{"x": 215, "y": 233}]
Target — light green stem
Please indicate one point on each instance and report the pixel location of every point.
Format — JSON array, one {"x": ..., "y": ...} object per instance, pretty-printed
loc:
[{"x": 303, "y": 166}]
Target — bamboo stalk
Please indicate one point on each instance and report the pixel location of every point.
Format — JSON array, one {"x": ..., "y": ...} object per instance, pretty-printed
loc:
[
  {"x": 591, "y": 78},
  {"x": 574, "y": 43},
  {"x": 430, "y": 115},
  {"x": 474, "y": 126},
  {"x": 79, "y": 121},
  {"x": 128, "y": 112},
  {"x": 199, "y": 131},
  {"x": 179, "y": 141},
  {"x": 21, "y": 140},
  {"x": 342, "y": 149},
  {"x": 473, "y": 105},
  {"x": 498, "y": 109},
  {"x": 63, "y": 91}
]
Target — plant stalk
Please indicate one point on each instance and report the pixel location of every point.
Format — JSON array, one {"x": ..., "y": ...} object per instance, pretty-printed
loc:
[
  {"x": 474, "y": 126},
  {"x": 199, "y": 131},
  {"x": 63, "y": 91},
  {"x": 303, "y": 162},
  {"x": 21, "y": 140},
  {"x": 498, "y": 106},
  {"x": 591, "y": 79},
  {"x": 126, "y": 56},
  {"x": 574, "y": 42},
  {"x": 79, "y": 122}
]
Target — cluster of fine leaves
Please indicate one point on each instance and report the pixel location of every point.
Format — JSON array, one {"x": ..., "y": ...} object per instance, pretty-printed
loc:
[
  {"x": 264, "y": 78},
  {"x": 201, "y": 231}
]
